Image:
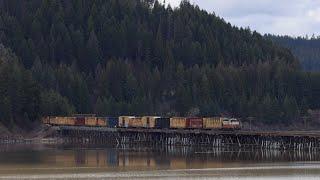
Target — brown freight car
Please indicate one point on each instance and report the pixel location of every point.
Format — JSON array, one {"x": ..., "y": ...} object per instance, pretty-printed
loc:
[
  {"x": 178, "y": 122},
  {"x": 101, "y": 121},
  {"x": 80, "y": 121},
  {"x": 194, "y": 123}
]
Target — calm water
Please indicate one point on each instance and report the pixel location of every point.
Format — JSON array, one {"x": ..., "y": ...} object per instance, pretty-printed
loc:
[{"x": 98, "y": 162}]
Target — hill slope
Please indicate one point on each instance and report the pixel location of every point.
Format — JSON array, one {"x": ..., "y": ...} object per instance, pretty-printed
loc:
[
  {"x": 306, "y": 50},
  {"x": 139, "y": 57}
]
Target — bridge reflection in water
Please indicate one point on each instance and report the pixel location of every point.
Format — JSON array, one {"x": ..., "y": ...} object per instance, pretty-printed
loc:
[
  {"x": 76, "y": 158},
  {"x": 172, "y": 157}
]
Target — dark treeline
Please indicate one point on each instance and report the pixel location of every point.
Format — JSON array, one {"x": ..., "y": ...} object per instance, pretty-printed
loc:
[
  {"x": 306, "y": 49},
  {"x": 139, "y": 57}
]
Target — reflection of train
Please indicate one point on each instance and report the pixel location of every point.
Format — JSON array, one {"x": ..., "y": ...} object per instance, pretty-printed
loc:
[{"x": 149, "y": 122}]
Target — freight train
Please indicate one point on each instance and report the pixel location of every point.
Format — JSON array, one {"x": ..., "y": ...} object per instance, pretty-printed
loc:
[{"x": 150, "y": 122}]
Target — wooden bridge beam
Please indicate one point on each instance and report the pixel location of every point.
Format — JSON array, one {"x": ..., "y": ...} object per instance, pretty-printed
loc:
[{"x": 186, "y": 138}]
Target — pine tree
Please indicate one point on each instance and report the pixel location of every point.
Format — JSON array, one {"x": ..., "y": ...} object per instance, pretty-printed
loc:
[
  {"x": 93, "y": 51},
  {"x": 291, "y": 110},
  {"x": 125, "y": 57}
]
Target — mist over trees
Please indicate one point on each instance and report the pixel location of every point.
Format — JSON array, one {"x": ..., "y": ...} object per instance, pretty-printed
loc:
[{"x": 121, "y": 57}]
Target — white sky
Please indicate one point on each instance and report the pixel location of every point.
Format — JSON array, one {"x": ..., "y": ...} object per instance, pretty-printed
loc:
[{"x": 283, "y": 17}]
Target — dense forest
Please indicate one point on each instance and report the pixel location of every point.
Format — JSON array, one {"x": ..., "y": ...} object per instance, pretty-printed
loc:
[
  {"x": 113, "y": 57},
  {"x": 306, "y": 49}
]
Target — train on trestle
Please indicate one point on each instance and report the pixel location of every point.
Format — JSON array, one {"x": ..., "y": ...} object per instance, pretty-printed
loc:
[{"x": 149, "y": 122}]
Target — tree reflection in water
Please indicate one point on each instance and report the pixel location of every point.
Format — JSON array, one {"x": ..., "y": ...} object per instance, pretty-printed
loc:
[{"x": 147, "y": 158}]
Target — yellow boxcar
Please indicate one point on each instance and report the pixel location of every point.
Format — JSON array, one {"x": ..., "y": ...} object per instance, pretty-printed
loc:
[
  {"x": 101, "y": 121},
  {"x": 69, "y": 121},
  {"x": 212, "y": 123},
  {"x": 178, "y": 122},
  {"x": 136, "y": 122},
  {"x": 90, "y": 121},
  {"x": 149, "y": 121},
  {"x": 63, "y": 121},
  {"x": 124, "y": 121},
  {"x": 56, "y": 121}
]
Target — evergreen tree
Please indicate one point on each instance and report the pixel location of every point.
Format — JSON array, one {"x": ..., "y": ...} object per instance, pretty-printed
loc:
[
  {"x": 140, "y": 57},
  {"x": 291, "y": 110},
  {"x": 54, "y": 104},
  {"x": 93, "y": 49}
]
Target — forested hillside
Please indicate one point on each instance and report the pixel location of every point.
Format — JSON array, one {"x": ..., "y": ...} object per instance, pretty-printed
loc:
[
  {"x": 307, "y": 50},
  {"x": 136, "y": 57}
]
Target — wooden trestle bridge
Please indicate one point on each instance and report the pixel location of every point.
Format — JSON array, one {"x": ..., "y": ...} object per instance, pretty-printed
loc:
[{"x": 283, "y": 140}]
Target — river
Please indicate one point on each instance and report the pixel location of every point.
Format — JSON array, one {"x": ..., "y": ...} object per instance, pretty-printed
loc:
[{"x": 101, "y": 162}]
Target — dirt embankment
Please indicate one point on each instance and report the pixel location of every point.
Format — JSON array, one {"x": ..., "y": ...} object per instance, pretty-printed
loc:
[
  {"x": 17, "y": 134},
  {"x": 4, "y": 132}
]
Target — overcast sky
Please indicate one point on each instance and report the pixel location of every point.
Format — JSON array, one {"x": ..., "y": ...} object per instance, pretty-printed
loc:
[{"x": 284, "y": 17}]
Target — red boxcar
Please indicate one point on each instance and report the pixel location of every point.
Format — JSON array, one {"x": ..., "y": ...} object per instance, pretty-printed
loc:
[
  {"x": 80, "y": 121},
  {"x": 194, "y": 123}
]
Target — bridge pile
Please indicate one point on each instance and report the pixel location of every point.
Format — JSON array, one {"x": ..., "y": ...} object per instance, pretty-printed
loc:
[{"x": 288, "y": 140}]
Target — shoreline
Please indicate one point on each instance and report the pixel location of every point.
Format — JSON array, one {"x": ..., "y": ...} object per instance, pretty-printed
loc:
[{"x": 4, "y": 141}]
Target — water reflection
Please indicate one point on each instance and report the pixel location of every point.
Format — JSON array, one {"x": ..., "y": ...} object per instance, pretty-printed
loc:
[{"x": 141, "y": 158}]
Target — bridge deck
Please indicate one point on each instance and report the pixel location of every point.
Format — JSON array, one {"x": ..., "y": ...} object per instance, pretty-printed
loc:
[{"x": 310, "y": 134}]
